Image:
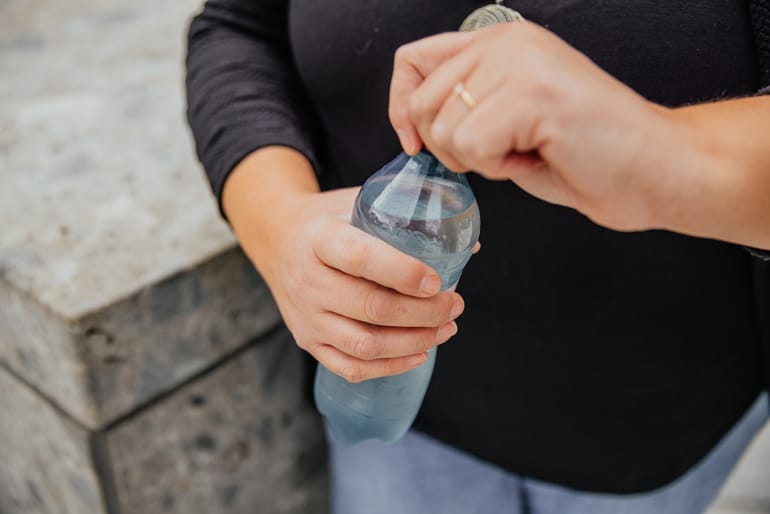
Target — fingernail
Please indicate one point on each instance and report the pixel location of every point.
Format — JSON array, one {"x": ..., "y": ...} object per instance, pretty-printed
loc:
[
  {"x": 457, "y": 308},
  {"x": 417, "y": 360},
  {"x": 430, "y": 284},
  {"x": 447, "y": 331}
]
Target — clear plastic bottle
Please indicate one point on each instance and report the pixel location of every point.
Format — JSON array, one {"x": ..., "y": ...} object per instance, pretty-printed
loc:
[{"x": 420, "y": 207}]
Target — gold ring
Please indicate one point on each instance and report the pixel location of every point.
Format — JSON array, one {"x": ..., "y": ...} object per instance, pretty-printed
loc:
[{"x": 464, "y": 95}]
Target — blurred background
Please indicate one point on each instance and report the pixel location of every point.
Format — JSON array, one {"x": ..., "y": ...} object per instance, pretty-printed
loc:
[{"x": 143, "y": 365}]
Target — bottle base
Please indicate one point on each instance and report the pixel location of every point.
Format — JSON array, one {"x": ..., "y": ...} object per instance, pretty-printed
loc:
[{"x": 349, "y": 434}]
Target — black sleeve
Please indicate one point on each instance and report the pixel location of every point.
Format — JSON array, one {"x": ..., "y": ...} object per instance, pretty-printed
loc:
[{"x": 243, "y": 91}]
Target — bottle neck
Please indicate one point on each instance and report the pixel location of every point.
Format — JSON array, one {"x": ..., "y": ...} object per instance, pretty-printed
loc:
[{"x": 430, "y": 165}]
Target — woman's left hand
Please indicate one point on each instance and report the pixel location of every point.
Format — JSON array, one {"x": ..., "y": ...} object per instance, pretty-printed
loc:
[{"x": 541, "y": 114}]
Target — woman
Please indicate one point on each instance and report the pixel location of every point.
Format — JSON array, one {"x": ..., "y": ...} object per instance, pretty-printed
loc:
[{"x": 595, "y": 370}]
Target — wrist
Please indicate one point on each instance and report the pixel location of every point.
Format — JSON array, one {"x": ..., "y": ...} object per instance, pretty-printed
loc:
[
  {"x": 690, "y": 187},
  {"x": 271, "y": 176},
  {"x": 262, "y": 195},
  {"x": 677, "y": 178}
]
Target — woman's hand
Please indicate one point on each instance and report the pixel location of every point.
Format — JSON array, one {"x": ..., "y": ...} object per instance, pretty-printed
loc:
[
  {"x": 359, "y": 306},
  {"x": 545, "y": 117}
]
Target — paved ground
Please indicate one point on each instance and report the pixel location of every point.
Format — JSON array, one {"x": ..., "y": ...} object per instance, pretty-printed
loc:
[{"x": 748, "y": 491}]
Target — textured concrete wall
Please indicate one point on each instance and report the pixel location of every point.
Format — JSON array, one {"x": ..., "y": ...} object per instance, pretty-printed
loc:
[
  {"x": 45, "y": 457},
  {"x": 103, "y": 208},
  {"x": 142, "y": 364},
  {"x": 111, "y": 361},
  {"x": 162, "y": 335},
  {"x": 242, "y": 439}
]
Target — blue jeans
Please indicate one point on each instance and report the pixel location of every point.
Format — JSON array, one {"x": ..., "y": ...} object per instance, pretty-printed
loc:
[{"x": 419, "y": 475}]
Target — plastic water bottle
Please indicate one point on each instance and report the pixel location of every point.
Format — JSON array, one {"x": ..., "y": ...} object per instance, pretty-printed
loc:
[{"x": 423, "y": 209}]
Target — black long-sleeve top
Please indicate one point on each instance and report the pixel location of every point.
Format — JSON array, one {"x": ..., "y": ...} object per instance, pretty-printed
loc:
[{"x": 600, "y": 360}]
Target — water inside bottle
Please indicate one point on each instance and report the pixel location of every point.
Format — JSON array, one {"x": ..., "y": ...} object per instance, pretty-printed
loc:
[
  {"x": 432, "y": 219},
  {"x": 422, "y": 209}
]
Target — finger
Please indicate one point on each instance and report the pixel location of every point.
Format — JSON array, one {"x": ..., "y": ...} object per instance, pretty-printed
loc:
[
  {"x": 500, "y": 139},
  {"x": 362, "y": 300},
  {"x": 453, "y": 111},
  {"x": 434, "y": 96},
  {"x": 498, "y": 130},
  {"x": 357, "y": 370},
  {"x": 370, "y": 342},
  {"x": 538, "y": 179},
  {"x": 354, "y": 252},
  {"x": 477, "y": 247},
  {"x": 479, "y": 112},
  {"x": 438, "y": 88},
  {"x": 412, "y": 63}
]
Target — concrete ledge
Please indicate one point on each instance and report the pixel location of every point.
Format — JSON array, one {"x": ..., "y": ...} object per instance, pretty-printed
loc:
[
  {"x": 45, "y": 458},
  {"x": 118, "y": 279},
  {"x": 242, "y": 439},
  {"x": 239, "y": 439},
  {"x": 107, "y": 363}
]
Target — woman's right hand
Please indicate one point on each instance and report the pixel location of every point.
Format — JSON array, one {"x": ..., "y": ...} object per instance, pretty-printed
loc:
[{"x": 362, "y": 308}]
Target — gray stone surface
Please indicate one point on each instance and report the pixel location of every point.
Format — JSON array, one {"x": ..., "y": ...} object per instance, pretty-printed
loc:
[
  {"x": 107, "y": 363},
  {"x": 101, "y": 195},
  {"x": 163, "y": 335},
  {"x": 45, "y": 463},
  {"x": 40, "y": 346},
  {"x": 117, "y": 277},
  {"x": 241, "y": 440}
]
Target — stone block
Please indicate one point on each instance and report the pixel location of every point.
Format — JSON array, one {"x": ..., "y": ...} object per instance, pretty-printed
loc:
[
  {"x": 107, "y": 363},
  {"x": 242, "y": 439},
  {"x": 128, "y": 382},
  {"x": 118, "y": 279},
  {"x": 40, "y": 346},
  {"x": 45, "y": 458}
]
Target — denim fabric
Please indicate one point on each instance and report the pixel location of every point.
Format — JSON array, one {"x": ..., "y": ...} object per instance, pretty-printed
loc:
[{"x": 419, "y": 475}]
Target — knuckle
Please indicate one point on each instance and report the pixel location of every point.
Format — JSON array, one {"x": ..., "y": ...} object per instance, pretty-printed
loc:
[
  {"x": 389, "y": 367},
  {"x": 395, "y": 115},
  {"x": 540, "y": 88},
  {"x": 416, "y": 107},
  {"x": 465, "y": 143},
  {"x": 439, "y": 134},
  {"x": 359, "y": 253},
  {"x": 352, "y": 373},
  {"x": 413, "y": 272},
  {"x": 365, "y": 346},
  {"x": 439, "y": 317},
  {"x": 378, "y": 307},
  {"x": 306, "y": 344},
  {"x": 497, "y": 173},
  {"x": 443, "y": 311},
  {"x": 401, "y": 55},
  {"x": 455, "y": 165},
  {"x": 426, "y": 340}
]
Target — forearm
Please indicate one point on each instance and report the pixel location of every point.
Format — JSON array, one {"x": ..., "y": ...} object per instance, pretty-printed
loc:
[
  {"x": 261, "y": 192},
  {"x": 724, "y": 169}
]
